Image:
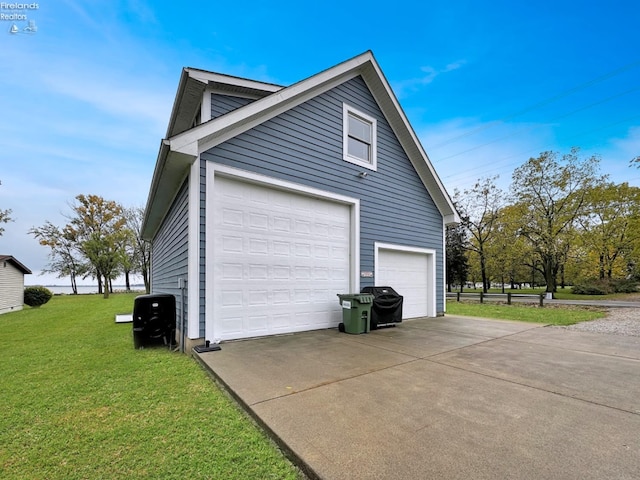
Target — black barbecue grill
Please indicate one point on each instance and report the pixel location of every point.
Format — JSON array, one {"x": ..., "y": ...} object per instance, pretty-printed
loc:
[{"x": 387, "y": 306}]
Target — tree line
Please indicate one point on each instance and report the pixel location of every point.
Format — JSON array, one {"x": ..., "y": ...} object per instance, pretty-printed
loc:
[
  {"x": 560, "y": 223},
  {"x": 102, "y": 240}
]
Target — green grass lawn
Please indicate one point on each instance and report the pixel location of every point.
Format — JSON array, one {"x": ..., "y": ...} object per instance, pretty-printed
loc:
[
  {"x": 553, "y": 315},
  {"x": 79, "y": 402}
]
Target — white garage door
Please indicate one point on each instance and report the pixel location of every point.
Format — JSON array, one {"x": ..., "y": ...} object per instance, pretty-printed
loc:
[
  {"x": 411, "y": 275},
  {"x": 280, "y": 258}
]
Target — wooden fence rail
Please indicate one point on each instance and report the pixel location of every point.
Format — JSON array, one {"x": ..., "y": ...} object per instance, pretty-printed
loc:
[{"x": 509, "y": 297}]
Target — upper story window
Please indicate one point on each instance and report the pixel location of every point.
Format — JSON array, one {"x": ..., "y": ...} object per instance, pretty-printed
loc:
[{"x": 359, "y": 137}]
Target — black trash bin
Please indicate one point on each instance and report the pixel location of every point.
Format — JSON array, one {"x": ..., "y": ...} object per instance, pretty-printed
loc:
[
  {"x": 154, "y": 320},
  {"x": 387, "y": 306}
]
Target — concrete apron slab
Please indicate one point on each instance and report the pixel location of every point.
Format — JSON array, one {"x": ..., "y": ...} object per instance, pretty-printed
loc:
[
  {"x": 614, "y": 345},
  {"x": 441, "y": 398},
  {"x": 568, "y": 369}
]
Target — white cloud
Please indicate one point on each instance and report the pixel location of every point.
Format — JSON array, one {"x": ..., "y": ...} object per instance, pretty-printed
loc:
[
  {"x": 463, "y": 150},
  {"x": 404, "y": 87},
  {"x": 142, "y": 11},
  {"x": 615, "y": 154},
  {"x": 629, "y": 145},
  {"x": 88, "y": 19},
  {"x": 84, "y": 110},
  {"x": 130, "y": 98}
]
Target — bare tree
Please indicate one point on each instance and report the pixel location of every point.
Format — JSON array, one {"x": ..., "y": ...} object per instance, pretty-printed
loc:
[
  {"x": 479, "y": 208},
  {"x": 138, "y": 250},
  {"x": 140, "y": 253},
  {"x": 65, "y": 257}
]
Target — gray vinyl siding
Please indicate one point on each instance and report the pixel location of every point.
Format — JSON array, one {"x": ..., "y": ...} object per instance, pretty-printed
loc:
[
  {"x": 11, "y": 287},
  {"x": 221, "y": 104},
  {"x": 169, "y": 254},
  {"x": 304, "y": 145}
]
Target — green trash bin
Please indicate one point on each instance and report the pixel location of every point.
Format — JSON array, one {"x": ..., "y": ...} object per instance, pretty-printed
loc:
[{"x": 356, "y": 312}]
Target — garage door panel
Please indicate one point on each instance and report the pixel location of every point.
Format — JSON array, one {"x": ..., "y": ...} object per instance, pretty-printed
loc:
[
  {"x": 321, "y": 230},
  {"x": 340, "y": 253},
  {"x": 281, "y": 225},
  {"x": 259, "y": 221},
  {"x": 281, "y": 258},
  {"x": 302, "y": 228},
  {"x": 281, "y": 248},
  {"x": 230, "y": 298},
  {"x": 232, "y": 217},
  {"x": 280, "y": 323},
  {"x": 231, "y": 244},
  {"x": 257, "y": 324},
  {"x": 230, "y": 326},
  {"x": 337, "y": 274},
  {"x": 281, "y": 297}
]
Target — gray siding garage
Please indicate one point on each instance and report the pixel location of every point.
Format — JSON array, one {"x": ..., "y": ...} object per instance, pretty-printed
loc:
[
  {"x": 169, "y": 257},
  {"x": 293, "y": 195}
]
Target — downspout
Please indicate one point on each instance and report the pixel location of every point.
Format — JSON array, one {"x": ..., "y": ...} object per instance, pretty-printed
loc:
[{"x": 182, "y": 285}]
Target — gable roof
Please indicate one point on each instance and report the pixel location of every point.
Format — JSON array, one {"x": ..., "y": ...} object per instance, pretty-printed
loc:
[
  {"x": 192, "y": 85},
  {"x": 16, "y": 263},
  {"x": 177, "y": 152}
]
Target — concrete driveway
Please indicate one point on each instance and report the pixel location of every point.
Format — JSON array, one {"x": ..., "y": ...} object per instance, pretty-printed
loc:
[{"x": 445, "y": 398}]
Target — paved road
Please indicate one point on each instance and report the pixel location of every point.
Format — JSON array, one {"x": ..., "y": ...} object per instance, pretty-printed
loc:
[
  {"x": 596, "y": 303},
  {"x": 492, "y": 297}
]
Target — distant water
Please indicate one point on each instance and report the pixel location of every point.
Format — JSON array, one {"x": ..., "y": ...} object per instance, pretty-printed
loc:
[{"x": 85, "y": 289}]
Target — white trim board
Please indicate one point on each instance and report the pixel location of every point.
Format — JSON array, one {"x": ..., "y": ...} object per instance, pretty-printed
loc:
[
  {"x": 193, "y": 265},
  {"x": 444, "y": 267}
]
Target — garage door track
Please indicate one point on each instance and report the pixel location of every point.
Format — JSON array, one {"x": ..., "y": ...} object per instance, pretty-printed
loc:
[{"x": 449, "y": 397}]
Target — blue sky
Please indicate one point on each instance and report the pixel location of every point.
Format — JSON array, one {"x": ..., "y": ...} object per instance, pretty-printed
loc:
[{"x": 486, "y": 85}]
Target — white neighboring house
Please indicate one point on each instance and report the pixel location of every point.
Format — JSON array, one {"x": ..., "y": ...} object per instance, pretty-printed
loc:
[{"x": 12, "y": 274}]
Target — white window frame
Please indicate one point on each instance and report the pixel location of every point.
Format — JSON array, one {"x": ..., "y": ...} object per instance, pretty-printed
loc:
[{"x": 348, "y": 110}]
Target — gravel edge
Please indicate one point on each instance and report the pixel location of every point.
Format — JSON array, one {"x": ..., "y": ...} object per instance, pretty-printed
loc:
[{"x": 619, "y": 321}]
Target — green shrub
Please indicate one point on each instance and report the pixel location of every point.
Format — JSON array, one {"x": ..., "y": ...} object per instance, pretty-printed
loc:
[
  {"x": 624, "y": 285},
  {"x": 605, "y": 286},
  {"x": 36, "y": 296},
  {"x": 592, "y": 289}
]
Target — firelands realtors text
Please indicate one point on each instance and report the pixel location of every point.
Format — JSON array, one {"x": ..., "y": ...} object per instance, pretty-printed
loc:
[{"x": 16, "y": 6}]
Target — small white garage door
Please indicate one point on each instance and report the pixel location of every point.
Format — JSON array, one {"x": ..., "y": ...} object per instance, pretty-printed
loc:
[
  {"x": 280, "y": 258},
  {"x": 412, "y": 275}
]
